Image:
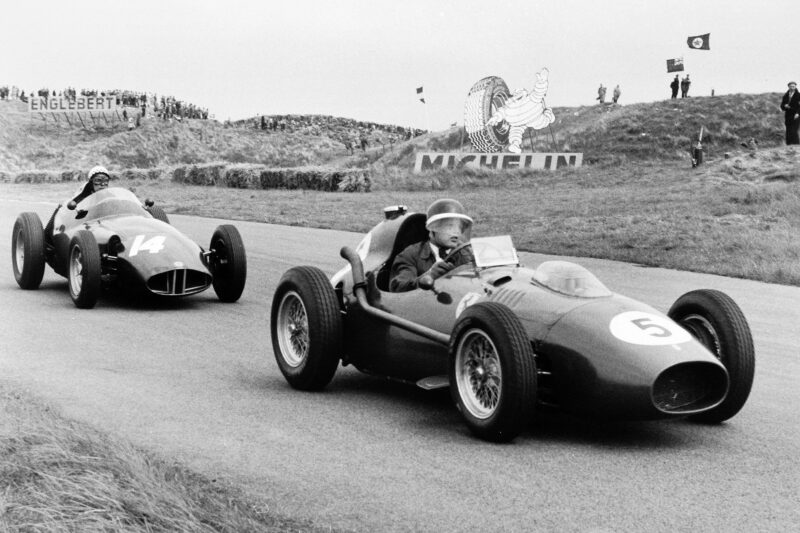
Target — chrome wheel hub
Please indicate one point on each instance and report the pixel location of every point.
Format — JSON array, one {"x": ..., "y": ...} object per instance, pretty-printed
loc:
[
  {"x": 479, "y": 377},
  {"x": 292, "y": 329}
]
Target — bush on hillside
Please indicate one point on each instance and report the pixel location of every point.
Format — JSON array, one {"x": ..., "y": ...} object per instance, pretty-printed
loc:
[
  {"x": 142, "y": 174},
  {"x": 37, "y": 176},
  {"x": 261, "y": 177}
]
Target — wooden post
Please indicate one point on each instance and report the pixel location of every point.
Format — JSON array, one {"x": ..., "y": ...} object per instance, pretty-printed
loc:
[
  {"x": 461, "y": 143},
  {"x": 104, "y": 118},
  {"x": 92, "y": 117},
  {"x": 530, "y": 137},
  {"x": 66, "y": 116},
  {"x": 81, "y": 119}
]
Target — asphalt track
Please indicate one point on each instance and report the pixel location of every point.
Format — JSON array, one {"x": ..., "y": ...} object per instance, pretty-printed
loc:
[{"x": 196, "y": 380}]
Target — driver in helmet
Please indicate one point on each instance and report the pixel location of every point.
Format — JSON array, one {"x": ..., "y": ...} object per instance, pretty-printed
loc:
[
  {"x": 97, "y": 180},
  {"x": 448, "y": 226}
]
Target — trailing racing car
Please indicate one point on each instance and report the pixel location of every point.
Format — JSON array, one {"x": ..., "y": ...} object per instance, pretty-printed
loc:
[
  {"x": 505, "y": 338},
  {"x": 110, "y": 238}
]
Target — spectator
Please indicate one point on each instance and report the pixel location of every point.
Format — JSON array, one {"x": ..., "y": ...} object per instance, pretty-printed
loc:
[
  {"x": 685, "y": 83},
  {"x": 617, "y": 92},
  {"x": 674, "y": 86},
  {"x": 790, "y": 104},
  {"x": 601, "y": 94}
]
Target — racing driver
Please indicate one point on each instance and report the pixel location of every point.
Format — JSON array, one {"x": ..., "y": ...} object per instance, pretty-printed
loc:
[
  {"x": 448, "y": 226},
  {"x": 98, "y": 180}
]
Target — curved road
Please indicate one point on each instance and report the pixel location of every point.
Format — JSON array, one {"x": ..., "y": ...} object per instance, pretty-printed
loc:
[{"x": 196, "y": 380}]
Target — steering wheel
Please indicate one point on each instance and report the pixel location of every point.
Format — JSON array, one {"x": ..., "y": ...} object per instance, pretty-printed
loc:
[{"x": 451, "y": 257}]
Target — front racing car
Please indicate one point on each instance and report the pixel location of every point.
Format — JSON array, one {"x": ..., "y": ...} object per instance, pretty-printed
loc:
[{"x": 505, "y": 338}]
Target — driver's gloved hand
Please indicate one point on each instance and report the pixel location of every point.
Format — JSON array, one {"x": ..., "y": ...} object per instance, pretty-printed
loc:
[{"x": 439, "y": 269}]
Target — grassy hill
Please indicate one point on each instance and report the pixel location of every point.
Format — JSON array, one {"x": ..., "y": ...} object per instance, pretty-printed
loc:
[{"x": 663, "y": 130}]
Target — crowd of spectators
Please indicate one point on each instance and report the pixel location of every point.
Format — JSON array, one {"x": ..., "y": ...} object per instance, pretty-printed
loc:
[
  {"x": 164, "y": 107},
  {"x": 353, "y": 134}
]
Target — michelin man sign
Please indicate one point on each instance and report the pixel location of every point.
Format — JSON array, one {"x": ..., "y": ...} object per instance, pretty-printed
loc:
[{"x": 495, "y": 121}]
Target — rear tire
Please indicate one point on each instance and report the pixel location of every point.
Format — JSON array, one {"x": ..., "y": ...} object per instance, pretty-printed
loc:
[
  {"x": 492, "y": 372},
  {"x": 228, "y": 263},
  {"x": 27, "y": 251},
  {"x": 484, "y": 98},
  {"x": 306, "y": 328},
  {"x": 84, "y": 270},
  {"x": 715, "y": 320}
]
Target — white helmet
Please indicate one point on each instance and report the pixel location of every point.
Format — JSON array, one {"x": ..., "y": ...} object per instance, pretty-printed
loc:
[{"x": 98, "y": 170}]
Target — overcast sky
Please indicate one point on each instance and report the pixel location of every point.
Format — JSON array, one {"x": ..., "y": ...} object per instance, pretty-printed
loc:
[{"x": 364, "y": 59}]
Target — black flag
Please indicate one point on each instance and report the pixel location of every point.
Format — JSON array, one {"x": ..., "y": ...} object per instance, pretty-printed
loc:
[{"x": 699, "y": 42}]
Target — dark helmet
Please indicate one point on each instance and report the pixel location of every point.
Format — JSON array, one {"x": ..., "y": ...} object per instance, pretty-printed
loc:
[{"x": 446, "y": 210}]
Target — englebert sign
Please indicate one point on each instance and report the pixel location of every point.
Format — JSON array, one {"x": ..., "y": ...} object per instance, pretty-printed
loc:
[
  {"x": 61, "y": 104},
  {"x": 495, "y": 121}
]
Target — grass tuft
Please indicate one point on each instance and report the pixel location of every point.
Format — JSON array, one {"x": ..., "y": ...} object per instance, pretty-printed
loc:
[{"x": 57, "y": 475}]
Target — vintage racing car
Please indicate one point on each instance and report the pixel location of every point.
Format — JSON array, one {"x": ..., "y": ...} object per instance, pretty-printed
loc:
[
  {"x": 505, "y": 338},
  {"x": 110, "y": 238}
]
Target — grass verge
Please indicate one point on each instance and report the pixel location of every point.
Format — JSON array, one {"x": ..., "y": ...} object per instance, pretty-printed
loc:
[
  {"x": 738, "y": 217},
  {"x": 58, "y": 475}
]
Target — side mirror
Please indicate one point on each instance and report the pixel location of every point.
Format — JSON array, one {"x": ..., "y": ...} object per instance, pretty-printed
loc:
[
  {"x": 71, "y": 205},
  {"x": 148, "y": 202},
  {"x": 425, "y": 282}
]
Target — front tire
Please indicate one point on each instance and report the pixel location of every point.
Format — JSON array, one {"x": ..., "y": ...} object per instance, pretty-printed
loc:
[
  {"x": 306, "y": 328},
  {"x": 483, "y": 100},
  {"x": 229, "y": 263},
  {"x": 27, "y": 251},
  {"x": 715, "y": 320},
  {"x": 84, "y": 270},
  {"x": 492, "y": 372}
]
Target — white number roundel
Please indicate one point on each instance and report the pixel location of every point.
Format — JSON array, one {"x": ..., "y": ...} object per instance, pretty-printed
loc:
[{"x": 638, "y": 327}]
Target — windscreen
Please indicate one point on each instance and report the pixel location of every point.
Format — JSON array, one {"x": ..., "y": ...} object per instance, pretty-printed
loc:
[
  {"x": 112, "y": 202},
  {"x": 494, "y": 251},
  {"x": 570, "y": 279}
]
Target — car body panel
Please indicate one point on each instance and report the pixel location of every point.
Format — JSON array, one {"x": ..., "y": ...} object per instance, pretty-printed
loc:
[{"x": 144, "y": 247}]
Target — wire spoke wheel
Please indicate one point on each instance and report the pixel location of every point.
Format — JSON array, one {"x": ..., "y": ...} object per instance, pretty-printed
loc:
[
  {"x": 479, "y": 376},
  {"x": 717, "y": 322},
  {"x": 306, "y": 328},
  {"x": 492, "y": 371},
  {"x": 293, "y": 329},
  {"x": 28, "y": 251}
]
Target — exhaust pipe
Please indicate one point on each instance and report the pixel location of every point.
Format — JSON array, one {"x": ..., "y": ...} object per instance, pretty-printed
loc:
[{"x": 360, "y": 292}]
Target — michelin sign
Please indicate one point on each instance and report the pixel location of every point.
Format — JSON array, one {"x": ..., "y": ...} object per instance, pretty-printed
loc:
[{"x": 495, "y": 121}]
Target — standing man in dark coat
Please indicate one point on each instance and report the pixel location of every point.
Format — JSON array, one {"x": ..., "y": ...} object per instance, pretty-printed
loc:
[
  {"x": 674, "y": 86},
  {"x": 791, "y": 112},
  {"x": 685, "y": 83}
]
